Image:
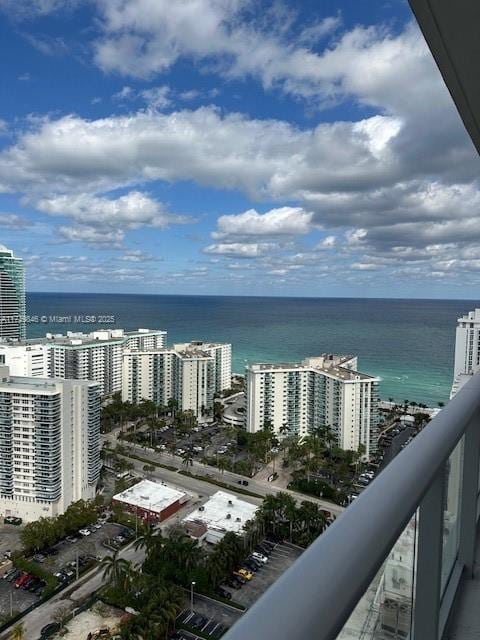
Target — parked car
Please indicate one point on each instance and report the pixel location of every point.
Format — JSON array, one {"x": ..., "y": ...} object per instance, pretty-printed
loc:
[
  {"x": 85, "y": 532},
  {"x": 260, "y": 557},
  {"x": 39, "y": 557},
  {"x": 244, "y": 482},
  {"x": 71, "y": 539},
  {"x": 246, "y": 575},
  {"x": 14, "y": 575},
  {"x": 221, "y": 591},
  {"x": 21, "y": 580},
  {"x": 48, "y": 630},
  {"x": 9, "y": 573},
  {"x": 28, "y": 582}
]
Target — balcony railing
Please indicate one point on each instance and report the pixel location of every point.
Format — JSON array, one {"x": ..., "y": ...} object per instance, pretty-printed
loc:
[{"x": 390, "y": 565}]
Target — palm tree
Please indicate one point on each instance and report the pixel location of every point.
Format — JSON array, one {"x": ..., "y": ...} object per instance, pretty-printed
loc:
[
  {"x": 221, "y": 464},
  {"x": 147, "y": 540},
  {"x": 18, "y": 632},
  {"x": 114, "y": 568},
  {"x": 187, "y": 458}
]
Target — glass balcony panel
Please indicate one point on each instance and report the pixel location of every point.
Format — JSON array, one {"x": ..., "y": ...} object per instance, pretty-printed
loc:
[
  {"x": 451, "y": 512},
  {"x": 386, "y": 609}
]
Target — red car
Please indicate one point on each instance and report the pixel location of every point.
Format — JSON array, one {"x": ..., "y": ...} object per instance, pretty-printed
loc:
[{"x": 21, "y": 580}]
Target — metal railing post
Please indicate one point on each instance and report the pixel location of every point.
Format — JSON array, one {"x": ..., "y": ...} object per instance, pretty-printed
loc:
[
  {"x": 469, "y": 496},
  {"x": 429, "y": 561}
]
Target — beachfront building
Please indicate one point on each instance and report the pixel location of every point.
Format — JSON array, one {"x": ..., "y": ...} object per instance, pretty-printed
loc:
[
  {"x": 93, "y": 356},
  {"x": 12, "y": 295},
  {"x": 221, "y": 352},
  {"x": 49, "y": 444},
  {"x": 189, "y": 373},
  {"x": 223, "y": 512},
  {"x": 467, "y": 349},
  {"x": 294, "y": 398}
]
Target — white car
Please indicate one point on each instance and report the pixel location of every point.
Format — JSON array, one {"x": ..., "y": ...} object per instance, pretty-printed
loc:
[
  {"x": 85, "y": 532},
  {"x": 260, "y": 557}
]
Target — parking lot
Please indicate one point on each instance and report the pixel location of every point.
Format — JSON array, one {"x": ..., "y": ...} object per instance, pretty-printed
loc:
[
  {"x": 281, "y": 558},
  {"x": 12, "y": 600},
  {"x": 206, "y": 624},
  {"x": 92, "y": 545},
  {"x": 63, "y": 559}
]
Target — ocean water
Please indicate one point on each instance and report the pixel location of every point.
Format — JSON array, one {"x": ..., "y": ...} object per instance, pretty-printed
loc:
[{"x": 408, "y": 343}]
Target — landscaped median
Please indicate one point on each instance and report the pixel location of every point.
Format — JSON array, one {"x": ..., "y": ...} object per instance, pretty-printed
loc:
[{"x": 223, "y": 485}]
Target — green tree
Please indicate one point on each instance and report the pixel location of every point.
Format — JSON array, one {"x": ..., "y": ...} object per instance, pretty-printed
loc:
[
  {"x": 115, "y": 569},
  {"x": 187, "y": 458}
]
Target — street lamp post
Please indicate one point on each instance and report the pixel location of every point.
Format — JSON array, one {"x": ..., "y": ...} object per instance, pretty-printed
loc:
[{"x": 192, "y": 584}]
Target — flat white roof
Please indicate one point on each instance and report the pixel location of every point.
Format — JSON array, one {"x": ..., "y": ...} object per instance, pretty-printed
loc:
[
  {"x": 151, "y": 496},
  {"x": 217, "y": 509}
]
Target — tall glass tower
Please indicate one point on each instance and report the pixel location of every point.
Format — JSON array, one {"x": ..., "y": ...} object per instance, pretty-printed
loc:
[{"x": 12, "y": 295}]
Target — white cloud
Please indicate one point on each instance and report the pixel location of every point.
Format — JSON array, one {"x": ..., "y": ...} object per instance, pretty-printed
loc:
[
  {"x": 327, "y": 243},
  {"x": 137, "y": 255},
  {"x": 91, "y": 235},
  {"x": 240, "y": 250},
  {"x": 14, "y": 221},
  {"x": 284, "y": 221},
  {"x": 131, "y": 211}
]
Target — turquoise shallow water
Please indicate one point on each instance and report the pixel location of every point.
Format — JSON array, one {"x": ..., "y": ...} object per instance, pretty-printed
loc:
[{"x": 408, "y": 343}]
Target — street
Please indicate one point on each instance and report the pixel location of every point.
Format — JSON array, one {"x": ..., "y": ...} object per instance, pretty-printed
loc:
[{"x": 204, "y": 487}]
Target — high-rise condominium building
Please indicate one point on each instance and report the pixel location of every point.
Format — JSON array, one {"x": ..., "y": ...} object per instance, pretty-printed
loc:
[
  {"x": 12, "y": 295},
  {"x": 189, "y": 373},
  {"x": 467, "y": 349},
  {"x": 325, "y": 391},
  {"x": 30, "y": 360},
  {"x": 93, "y": 356},
  {"x": 49, "y": 444}
]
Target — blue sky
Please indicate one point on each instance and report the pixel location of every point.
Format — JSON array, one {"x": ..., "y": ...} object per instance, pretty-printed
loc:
[{"x": 232, "y": 147}]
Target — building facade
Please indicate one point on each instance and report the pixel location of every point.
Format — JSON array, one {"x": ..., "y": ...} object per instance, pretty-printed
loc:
[
  {"x": 49, "y": 444},
  {"x": 467, "y": 349},
  {"x": 325, "y": 391},
  {"x": 93, "y": 356},
  {"x": 30, "y": 360},
  {"x": 189, "y": 373},
  {"x": 12, "y": 296}
]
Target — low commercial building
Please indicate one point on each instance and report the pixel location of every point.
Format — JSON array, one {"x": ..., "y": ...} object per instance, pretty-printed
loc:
[
  {"x": 49, "y": 444},
  {"x": 323, "y": 391},
  {"x": 222, "y": 513},
  {"x": 152, "y": 501}
]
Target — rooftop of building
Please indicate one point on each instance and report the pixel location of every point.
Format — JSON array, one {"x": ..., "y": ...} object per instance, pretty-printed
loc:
[
  {"x": 151, "y": 496},
  {"x": 335, "y": 366},
  {"x": 76, "y": 338},
  {"x": 471, "y": 316},
  {"x": 223, "y": 512}
]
